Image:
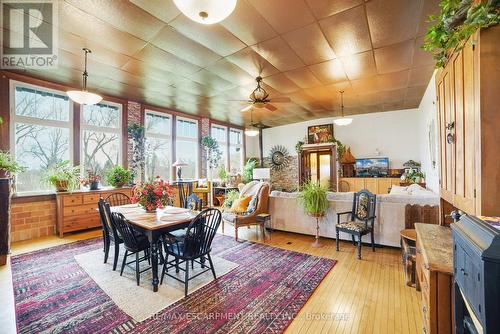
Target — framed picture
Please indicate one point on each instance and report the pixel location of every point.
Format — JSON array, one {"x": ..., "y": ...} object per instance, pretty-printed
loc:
[{"x": 317, "y": 134}]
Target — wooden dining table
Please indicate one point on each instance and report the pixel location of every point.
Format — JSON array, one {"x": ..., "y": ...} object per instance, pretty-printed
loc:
[{"x": 154, "y": 225}]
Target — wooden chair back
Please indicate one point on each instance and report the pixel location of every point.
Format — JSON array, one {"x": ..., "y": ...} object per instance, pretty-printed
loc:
[
  {"x": 116, "y": 199},
  {"x": 425, "y": 214},
  {"x": 201, "y": 232}
]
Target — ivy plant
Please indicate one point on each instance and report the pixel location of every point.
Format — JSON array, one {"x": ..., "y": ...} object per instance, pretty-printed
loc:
[{"x": 455, "y": 23}]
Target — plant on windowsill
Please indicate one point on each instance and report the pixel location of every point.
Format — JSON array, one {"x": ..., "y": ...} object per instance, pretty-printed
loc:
[
  {"x": 92, "y": 180},
  {"x": 455, "y": 23},
  {"x": 152, "y": 195},
  {"x": 9, "y": 166},
  {"x": 62, "y": 176},
  {"x": 118, "y": 176},
  {"x": 313, "y": 198}
]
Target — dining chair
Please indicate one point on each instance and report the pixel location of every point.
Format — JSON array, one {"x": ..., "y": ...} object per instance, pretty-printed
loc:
[
  {"x": 194, "y": 247},
  {"x": 116, "y": 199},
  {"x": 133, "y": 242},
  {"x": 109, "y": 232}
]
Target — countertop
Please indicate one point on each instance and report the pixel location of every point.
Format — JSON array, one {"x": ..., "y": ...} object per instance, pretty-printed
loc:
[{"x": 436, "y": 245}]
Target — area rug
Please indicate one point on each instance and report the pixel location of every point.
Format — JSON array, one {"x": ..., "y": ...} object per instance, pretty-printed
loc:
[
  {"x": 54, "y": 294},
  {"x": 123, "y": 290}
]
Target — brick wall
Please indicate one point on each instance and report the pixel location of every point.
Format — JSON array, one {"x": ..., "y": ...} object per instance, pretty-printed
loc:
[
  {"x": 205, "y": 131},
  {"x": 286, "y": 179},
  {"x": 33, "y": 220}
]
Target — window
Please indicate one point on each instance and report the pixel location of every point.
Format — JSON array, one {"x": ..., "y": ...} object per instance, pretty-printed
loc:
[
  {"x": 187, "y": 145},
  {"x": 236, "y": 150},
  {"x": 41, "y": 132},
  {"x": 101, "y": 137},
  {"x": 158, "y": 133},
  {"x": 219, "y": 133}
]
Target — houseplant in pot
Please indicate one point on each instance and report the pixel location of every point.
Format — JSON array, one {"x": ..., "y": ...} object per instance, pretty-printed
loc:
[
  {"x": 9, "y": 166},
  {"x": 62, "y": 176},
  {"x": 153, "y": 194},
  {"x": 92, "y": 180},
  {"x": 118, "y": 176},
  {"x": 313, "y": 198}
]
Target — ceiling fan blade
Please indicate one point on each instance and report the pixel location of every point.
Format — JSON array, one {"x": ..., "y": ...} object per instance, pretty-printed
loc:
[
  {"x": 245, "y": 101},
  {"x": 281, "y": 99},
  {"x": 270, "y": 107},
  {"x": 247, "y": 108}
]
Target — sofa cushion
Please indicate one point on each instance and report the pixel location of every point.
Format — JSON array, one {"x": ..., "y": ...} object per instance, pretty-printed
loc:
[
  {"x": 240, "y": 204},
  {"x": 353, "y": 226},
  {"x": 229, "y": 216}
]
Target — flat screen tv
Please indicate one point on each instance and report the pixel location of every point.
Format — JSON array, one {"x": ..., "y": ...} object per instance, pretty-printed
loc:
[{"x": 372, "y": 167}]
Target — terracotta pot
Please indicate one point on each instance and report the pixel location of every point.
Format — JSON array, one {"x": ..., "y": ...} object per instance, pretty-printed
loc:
[
  {"x": 119, "y": 185},
  {"x": 317, "y": 214},
  {"x": 62, "y": 185}
]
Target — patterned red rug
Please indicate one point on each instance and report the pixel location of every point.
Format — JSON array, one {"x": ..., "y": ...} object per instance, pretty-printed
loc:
[{"x": 262, "y": 295}]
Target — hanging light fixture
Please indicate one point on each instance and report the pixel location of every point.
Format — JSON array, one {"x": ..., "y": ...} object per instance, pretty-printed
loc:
[
  {"x": 252, "y": 130},
  {"x": 342, "y": 120},
  {"x": 83, "y": 96},
  {"x": 206, "y": 11}
]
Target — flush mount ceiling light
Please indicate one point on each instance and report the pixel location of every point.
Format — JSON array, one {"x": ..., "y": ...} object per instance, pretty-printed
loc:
[
  {"x": 343, "y": 120},
  {"x": 83, "y": 96},
  {"x": 206, "y": 11}
]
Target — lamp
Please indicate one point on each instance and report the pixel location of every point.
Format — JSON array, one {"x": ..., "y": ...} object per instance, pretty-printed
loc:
[
  {"x": 83, "y": 96},
  {"x": 252, "y": 130},
  {"x": 179, "y": 164},
  {"x": 343, "y": 120},
  {"x": 206, "y": 11},
  {"x": 261, "y": 174}
]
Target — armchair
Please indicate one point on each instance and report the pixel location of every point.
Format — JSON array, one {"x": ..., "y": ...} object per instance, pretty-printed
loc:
[
  {"x": 261, "y": 190},
  {"x": 202, "y": 190},
  {"x": 361, "y": 219}
]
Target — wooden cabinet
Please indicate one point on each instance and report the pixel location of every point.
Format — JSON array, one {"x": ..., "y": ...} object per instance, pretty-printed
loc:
[
  {"x": 78, "y": 210},
  {"x": 467, "y": 99},
  {"x": 434, "y": 264},
  {"x": 376, "y": 185}
]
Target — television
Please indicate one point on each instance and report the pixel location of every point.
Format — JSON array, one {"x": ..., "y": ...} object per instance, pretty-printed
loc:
[{"x": 372, "y": 167}]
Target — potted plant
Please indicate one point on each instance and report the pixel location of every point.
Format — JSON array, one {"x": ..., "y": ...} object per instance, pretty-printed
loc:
[
  {"x": 92, "y": 180},
  {"x": 62, "y": 176},
  {"x": 9, "y": 166},
  {"x": 118, "y": 176},
  {"x": 153, "y": 194},
  {"x": 230, "y": 198},
  {"x": 313, "y": 198},
  {"x": 222, "y": 173}
]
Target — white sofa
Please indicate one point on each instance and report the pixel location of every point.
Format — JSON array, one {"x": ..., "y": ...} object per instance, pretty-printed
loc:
[{"x": 287, "y": 214}]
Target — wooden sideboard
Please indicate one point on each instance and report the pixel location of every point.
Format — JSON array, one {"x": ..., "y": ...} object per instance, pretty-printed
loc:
[
  {"x": 435, "y": 277},
  {"x": 467, "y": 100},
  {"x": 376, "y": 185},
  {"x": 77, "y": 210}
]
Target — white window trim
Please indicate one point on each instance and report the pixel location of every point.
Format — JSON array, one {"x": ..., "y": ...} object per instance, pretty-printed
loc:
[
  {"x": 162, "y": 136},
  {"x": 95, "y": 128},
  {"x": 224, "y": 143},
  {"x": 194, "y": 140},
  {"x": 36, "y": 121},
  {"x": 241, "y": 146}
]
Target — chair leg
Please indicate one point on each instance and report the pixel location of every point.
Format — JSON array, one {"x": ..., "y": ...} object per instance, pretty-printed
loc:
[
  {"x": 106, "y": 248},
  {"x": 186, "y": 278},
  {"x": 124, "y": 261},
  {"x": 137, "y": 273},
  {"x": 359, "y": 246},
  {"x": 176, "y": 264},
  {"x": 163, "y": 270},
  {"x": 235, "y": 232},
  {"x": 337, "y": 239},
  {"x": 222, "y": 226},
  {"x": 373, "y": 241},
  {"x": 117, "y": 253},
  {"x": 263, "y": 232},
  {"x": 211, "y": 265},
  {"x": 202, "y": 260},
  {"x": 353, "y": 240}
]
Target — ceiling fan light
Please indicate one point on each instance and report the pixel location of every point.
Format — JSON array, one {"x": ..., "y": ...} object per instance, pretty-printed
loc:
[
  {"x": 342, "y": 121},
  {"x": 84, "y": 97},
  {"x": 206, "y": 11},
  {"x": 251, "y": 132}
]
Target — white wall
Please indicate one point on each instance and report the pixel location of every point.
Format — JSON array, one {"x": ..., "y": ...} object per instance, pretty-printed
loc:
[
  {"x": 394, "y": 134},
  {"x": 252, "y": 147},
  {"x": 428, "y": 113}
]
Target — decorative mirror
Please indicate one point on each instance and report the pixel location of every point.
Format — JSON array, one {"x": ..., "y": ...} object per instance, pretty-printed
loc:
[{"x": 278, "y": 157}]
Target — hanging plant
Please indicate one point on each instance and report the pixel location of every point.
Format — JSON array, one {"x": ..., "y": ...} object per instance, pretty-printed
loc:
[
  {"x": 211, "y": 147},
  {"x": 298, "y": 146},
  {"x": 456, "y": 22},
  {"x": 340, "y": 147},
  {"x": 137, "y": 163}
]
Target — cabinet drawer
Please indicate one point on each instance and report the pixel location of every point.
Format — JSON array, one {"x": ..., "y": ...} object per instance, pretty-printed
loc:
[
  {"x": 86, "y": 209},
  {"x": 72, "y": 200},
  {"x": 91, "y": 198},
  {"x": 80, "y": 224}
]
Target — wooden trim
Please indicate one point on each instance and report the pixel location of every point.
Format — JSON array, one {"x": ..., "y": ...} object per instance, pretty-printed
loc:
[
  {"x": 4, "y": 113},
  {"x": 174, "y": 146},
  {"x": 76, "y": 133},
  {"x": 228, "y": 147},
  {"x": 125, "y": 135},
  {"x": 32, "y": 198},
  {"x": 200, "y": 159}
]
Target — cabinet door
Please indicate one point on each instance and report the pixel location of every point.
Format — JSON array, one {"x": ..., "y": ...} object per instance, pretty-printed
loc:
[
  {"x": 383, "y": 185},
  {"x": 371, "y": 184},
  {"x": 359, "y": 184}
]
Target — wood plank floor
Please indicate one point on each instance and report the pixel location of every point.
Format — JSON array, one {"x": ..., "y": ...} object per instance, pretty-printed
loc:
[{"x": 357, "y": 296}]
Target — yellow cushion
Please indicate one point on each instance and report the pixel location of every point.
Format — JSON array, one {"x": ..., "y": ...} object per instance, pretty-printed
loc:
[{"x": 240, "y": 204}]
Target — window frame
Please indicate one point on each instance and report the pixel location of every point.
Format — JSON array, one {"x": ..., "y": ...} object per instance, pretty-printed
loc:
[
  {"x": 13, "y": 119},
  {"x": 241, "y": 146},
  {"x": 225, "y": 151},
  {"x": 195, "y": 140},
  {"x": 161, "y": 136}
]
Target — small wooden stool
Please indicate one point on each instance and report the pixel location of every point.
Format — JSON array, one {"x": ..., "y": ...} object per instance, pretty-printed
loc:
[
  {"x": 409, "y": 253},
  {"x": 262, "y": 218}
]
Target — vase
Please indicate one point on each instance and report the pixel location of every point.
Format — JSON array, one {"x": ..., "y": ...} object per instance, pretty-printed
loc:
[{"x": 94, "y": 185}]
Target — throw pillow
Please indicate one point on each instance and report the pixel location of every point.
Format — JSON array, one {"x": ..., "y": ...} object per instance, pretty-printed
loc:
[
  {"x": 398, "y": 190},
  {"x": 252, "y": 205},
  {"x": 240, "y": 204}
]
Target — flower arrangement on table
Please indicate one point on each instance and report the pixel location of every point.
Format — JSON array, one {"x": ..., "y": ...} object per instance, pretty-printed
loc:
[
  {"x": 91, "y": 180},
  {"x": 153, "y": 194}
]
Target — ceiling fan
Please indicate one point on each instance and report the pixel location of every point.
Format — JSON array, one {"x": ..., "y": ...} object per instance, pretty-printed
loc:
[{"x": 259, "y": 99}]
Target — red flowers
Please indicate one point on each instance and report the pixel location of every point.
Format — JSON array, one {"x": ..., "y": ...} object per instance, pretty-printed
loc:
[{"x": 152, "y": 195}]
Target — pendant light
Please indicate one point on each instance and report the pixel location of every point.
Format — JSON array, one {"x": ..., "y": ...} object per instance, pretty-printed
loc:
[
  {"x": 342, "y": 120},
  {"x": 83, "y": 96},
  {"x": 252, "y": 130},
  {"x": 206, "y": 11}
]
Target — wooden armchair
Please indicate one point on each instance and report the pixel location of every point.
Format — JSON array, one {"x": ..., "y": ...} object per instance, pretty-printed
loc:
[
  {"x": 239, "y": 220},
  {"x": 203, "y": 192}
]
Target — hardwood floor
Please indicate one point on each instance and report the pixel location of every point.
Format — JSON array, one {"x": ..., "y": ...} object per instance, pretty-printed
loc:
[{"x": 357, "y": 296}]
